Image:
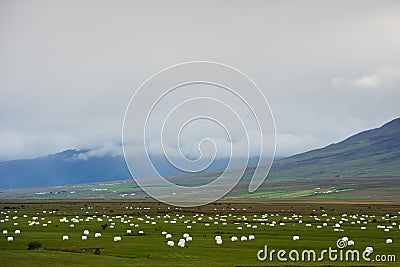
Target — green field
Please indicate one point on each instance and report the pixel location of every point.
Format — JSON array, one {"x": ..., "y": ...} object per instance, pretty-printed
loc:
[
  {"x": 344, "y": 188},
  {"x": 150, "y": 248}
]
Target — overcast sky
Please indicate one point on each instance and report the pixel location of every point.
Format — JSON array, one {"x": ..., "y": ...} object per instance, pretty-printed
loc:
[{"x": 68, "y": 69}]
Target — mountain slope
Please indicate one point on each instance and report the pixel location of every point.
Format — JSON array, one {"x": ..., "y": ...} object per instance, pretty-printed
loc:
[
  {"x": 61, "y": 169},
  {"x": 74, "y": 167},
  {"x": 373, "y": 152},
  {"x": 370, "y": 153}
]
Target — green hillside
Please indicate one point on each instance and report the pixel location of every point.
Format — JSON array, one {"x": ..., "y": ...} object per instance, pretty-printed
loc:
[{"x": 374, "y": 152}]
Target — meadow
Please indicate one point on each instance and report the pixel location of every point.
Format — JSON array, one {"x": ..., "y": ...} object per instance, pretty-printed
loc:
[{"x": 144, "y": 228}]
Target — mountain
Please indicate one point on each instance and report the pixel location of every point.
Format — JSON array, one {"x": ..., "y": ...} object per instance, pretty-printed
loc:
[
  {"x": 370, "y": 153},
  {"x": 76, "y": 167},
  {"x": 67, "y": 167},
  {"x": 373, "y": 152}
]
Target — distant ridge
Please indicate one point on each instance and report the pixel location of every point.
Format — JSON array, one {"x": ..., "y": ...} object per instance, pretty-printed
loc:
[{"x": 369, "y": 153}]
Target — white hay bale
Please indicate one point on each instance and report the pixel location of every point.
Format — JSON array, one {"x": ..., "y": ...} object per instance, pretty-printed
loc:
[
  {"x": 243, "y": 238},
  {"x": 345, "y": 238},
  {"x": 295, "y": 237},
  {"x": 189, "y": 238},
  {"x": 252, "y": 237},
  {"x": 117, "y": 238},
  {"x": 97, "y": 235},
  {"x": 218, "y": 241},
  {"x": 129, "y": 231},
  {"x": 188, "y": 226},
  {"x": 168, "y": 236},
  {"x": 140, "y": 232},
  {"x": 86, "y": 232},
  {"x": 170, "y": 243},
  {"x": 308, "y": 225},
  {"x": 5, "y": 232},
  {"x": 10, "y": 239},
  {"x": 218, "y": 237},
  {"x": 350, "y": 243},
  {"x": 65, "y": 237},
  {"x": 234, "y": 238},
  {"x": 164, "y": 232},
  {"x": 389, "y": 241},
  {"x": 363, "y": 228},
  {"x": 84, "y": 237},
  {"x": 17, "y": 232},
  {"x": 369, "y": 249}
]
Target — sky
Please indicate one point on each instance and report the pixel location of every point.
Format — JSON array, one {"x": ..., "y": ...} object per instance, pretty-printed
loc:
[{"x": 68, "y": 69}]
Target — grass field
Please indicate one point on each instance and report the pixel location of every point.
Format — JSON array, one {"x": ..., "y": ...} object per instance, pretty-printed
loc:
[
  {"x": 344, "y": 188},
  {"x": 273, "y": 223}
]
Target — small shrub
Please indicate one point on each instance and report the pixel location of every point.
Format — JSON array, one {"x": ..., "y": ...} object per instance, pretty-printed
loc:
[{"x": 34, "y": 245}]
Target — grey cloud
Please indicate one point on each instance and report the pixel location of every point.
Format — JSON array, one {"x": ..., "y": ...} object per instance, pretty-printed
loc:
[
  {"x": 385, "y": 78},
  {"x": 109, "y": 149},
  {"x": 69, "y": 68}
]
